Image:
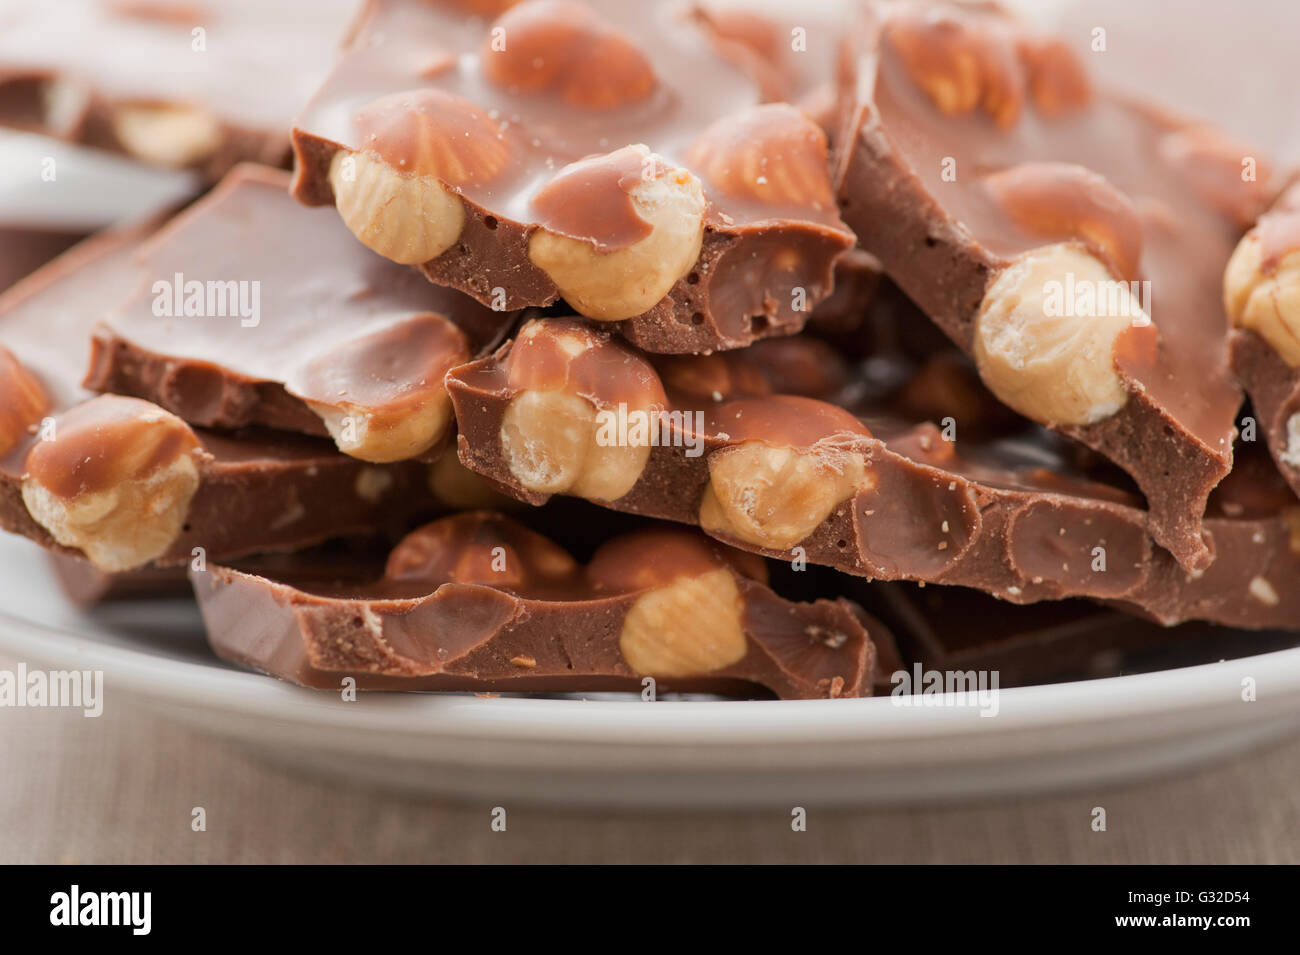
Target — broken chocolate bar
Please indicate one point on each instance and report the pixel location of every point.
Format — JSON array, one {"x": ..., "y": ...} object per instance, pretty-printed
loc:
[
  {"x": 259, "y": 311},
  {"x": 713, "y": 441},
  {"x": 954, "y": 630},
  {"x": 23, "y": 250},
  {"x": 603, "y": 153},
  {"x": 169, "y": 82},
  {"x": 478, "y": 602},
  {"x": 1261, "y": 291},
  {"x": 1062, "y": 237},
  {"x": 123, "y": 481}
]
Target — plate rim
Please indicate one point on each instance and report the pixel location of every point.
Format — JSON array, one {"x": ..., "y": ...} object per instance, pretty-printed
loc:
[{"x": 736, "y": 722}]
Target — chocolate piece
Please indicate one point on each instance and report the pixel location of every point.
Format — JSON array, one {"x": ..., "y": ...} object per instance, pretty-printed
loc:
[
  {"x": 1262, "y": 295},
  {"x": 257, "y": 311},
  {"x": 87, "y": 586},
  {"x": 952, "y": 629},
  {"x": 23, "y": 250},
  {"x": 170, "y": 82},
  {"x": 605, "y": 153},
  {"x": 1016, "y": 205},
  {"x": 707, "y": 440},
  {"x": 791, "y": 57},
  {"x": 478, "y": 602},
  {"x": 133, "y": 483}
]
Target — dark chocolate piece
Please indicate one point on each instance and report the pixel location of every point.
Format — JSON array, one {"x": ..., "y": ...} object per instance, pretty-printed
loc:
[
  {"x": 257, "y": 311},
  {"x": 605, "y": 153},
  {"x": 131, "y": 482},
  {"x": 478, "y": 602},
  {"x": 171, "y": 82},
  {"x": 709, "y": 440},
  {"x": 1016, "y": 206}
]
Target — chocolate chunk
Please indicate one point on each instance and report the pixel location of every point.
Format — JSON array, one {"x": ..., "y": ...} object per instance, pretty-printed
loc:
[
  {"x": 124, "y": 481},
  {"x": 708, "y": 440},
  {"x": 603, "y": 153},
  {"x": 1018, "y": 206},
  {"x": 257, "y": 311},
  {"x": 959, "y": 631},
  {"x": 176, "y": 83},
  {"x": 23, "y": 250},
  {"x": 478, "y": 602},
  {"x": 1262, "y": 295},
  {"x": 87, "y": 586}
]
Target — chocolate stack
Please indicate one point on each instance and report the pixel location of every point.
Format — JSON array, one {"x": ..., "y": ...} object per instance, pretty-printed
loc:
[{"x": 590, "y": 345}]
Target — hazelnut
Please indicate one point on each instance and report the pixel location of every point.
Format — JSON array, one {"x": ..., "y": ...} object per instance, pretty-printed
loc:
[
  {"x": 172, "y": 136},
  {"x": 776, "y": 497},
  {"x": 560, "y": 47},
  {"x": 961, "y": 66},
  {"x": 772, "y": 154},
  {"x": 22, "y": 401},
  {"x": 397, "y": 193},
  {"x": 458, "y": 487},
  {"x": 1061, "y": 201},
  {"x": 116, "y": 480},
  {"x": 552, "y": 433},
  {"x": 688, "y": 628},
  {"x": 1210, "y": 163},
  {"x": 480, "y": 547},
  {"x": 1054, "y": 368},
  {"x": 1058, "y": 83},
  {"x": 381, "y": 394},
  {"x": 658, "y": 212},
  {"x": 688, "y": 619},
  {"x": 1265, "y": 300}
]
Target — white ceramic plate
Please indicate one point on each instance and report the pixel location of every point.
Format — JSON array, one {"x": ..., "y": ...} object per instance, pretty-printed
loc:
[{"x": 626, "y": 752}]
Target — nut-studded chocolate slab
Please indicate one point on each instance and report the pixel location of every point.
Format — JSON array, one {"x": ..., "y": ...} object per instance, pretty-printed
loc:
[
  {"x": 478, "y": 602},
  {"x": 1017, "y": 206},
  {"x": 124, "y": 482},
  {"x": 255, "y": 310},
  {"x": 1261, "y": 291},
  {"x": 177, "y": 83},
  {"x": 745, "y": 445},
  {"x": 607, "y": 153}
]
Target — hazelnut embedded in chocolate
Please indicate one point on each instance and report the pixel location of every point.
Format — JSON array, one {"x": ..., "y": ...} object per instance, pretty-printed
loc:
[
  {"x": 1049, "y": 363},
  {"x": 564, "y": 374},
  {"x": 115, "y": 480},
  {"x": 396, "y": 192},
  {"x": 618, "y": 231}
]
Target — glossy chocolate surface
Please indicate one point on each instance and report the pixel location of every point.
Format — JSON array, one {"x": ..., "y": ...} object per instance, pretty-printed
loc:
[
  {"x": 258, "y": 491},
  {"x": 422, "y": 85},
  {"x": 335, "y": 324}
]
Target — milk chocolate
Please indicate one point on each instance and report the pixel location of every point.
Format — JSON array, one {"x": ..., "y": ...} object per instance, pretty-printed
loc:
[
  {"x": 23, "y": 250},
  {"x": 977, "y": 162},
  {"x": 608, "y": 154},
  {"x": 310, "y": 333},
  {"x": 478, "y": 602},
  {"x": 172, "y": 82},
  {"x": 952, "y": 629},
  {"x": 1262, "y": 294},
  {"x": 859, "y": 488},
  {"x": 251, "y": 490}
]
